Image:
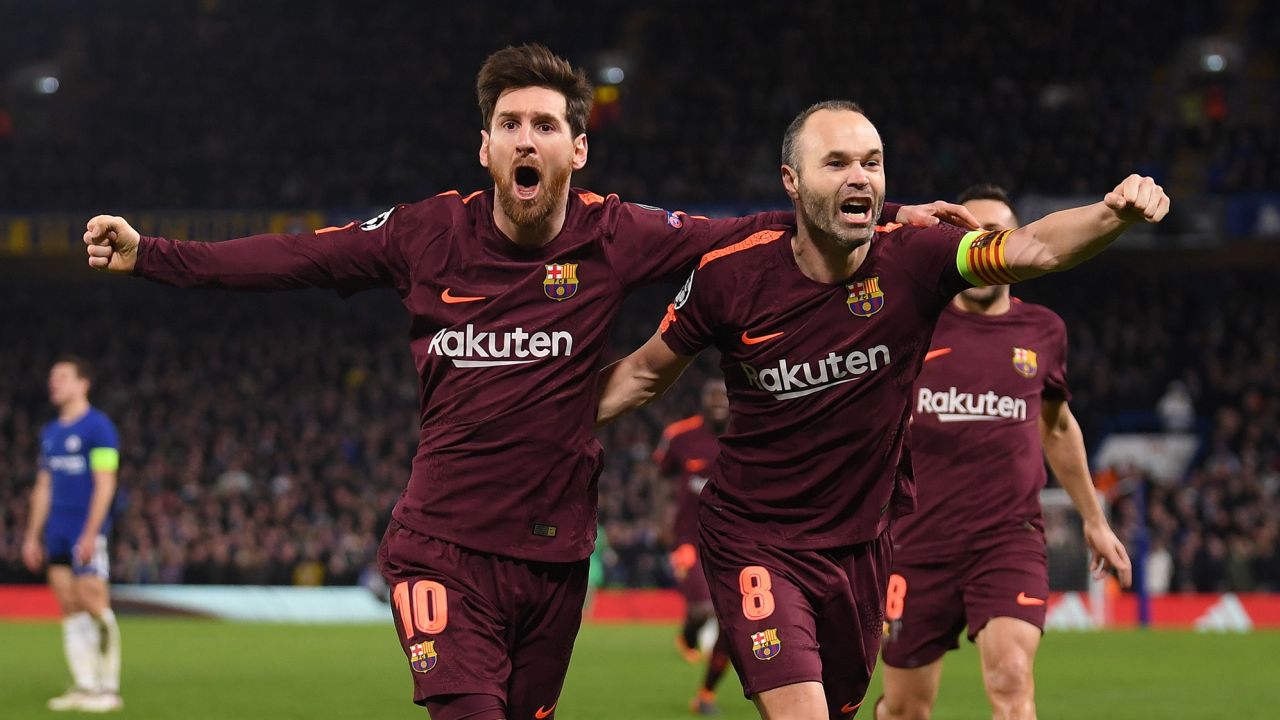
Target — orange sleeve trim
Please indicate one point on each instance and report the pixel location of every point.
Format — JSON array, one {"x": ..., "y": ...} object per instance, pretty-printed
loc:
[
  {"x": 667, "y": 319},
  {"x": 888, "y": 227},
  {"x": 468, "y": 198},
  {"x": 322, "y": 231},
  {"x": 681, "y": 427},
  {"x": 590, "y": 198},
  {"x": 761, "y": 238},
  {"x": 448, "y": 192}
]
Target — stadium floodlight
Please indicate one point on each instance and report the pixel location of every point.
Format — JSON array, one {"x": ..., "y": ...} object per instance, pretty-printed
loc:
[{"x": 47, "y": 85}]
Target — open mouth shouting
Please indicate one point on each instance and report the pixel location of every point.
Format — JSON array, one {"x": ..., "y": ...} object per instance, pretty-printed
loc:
[
  {"x": 856, "y": 210},
  {"x": 527, "y": 182}
]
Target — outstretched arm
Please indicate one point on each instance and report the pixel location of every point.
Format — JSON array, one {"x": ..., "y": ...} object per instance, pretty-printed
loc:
[
  {"x": 1064, "y": 448},
  {"x": 638, "y": 378},
  {"x": 1061, "y": 240},
  {"x": 349, "y": 258}
]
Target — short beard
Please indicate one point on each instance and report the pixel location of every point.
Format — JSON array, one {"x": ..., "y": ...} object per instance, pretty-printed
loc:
[
  {"x": 820, "y": 214},
  {"x": 530, "y": 213}
]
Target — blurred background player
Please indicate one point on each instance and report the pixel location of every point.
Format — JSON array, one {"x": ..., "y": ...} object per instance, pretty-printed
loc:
[
  {"x": 685, "y": 455},
  {"x": 70, "y": 517},
  {"x": 819, "y": 357},
  {"x": 990, "y": 405}
]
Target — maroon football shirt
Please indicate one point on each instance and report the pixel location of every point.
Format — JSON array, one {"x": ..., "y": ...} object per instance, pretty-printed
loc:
[
  {"x": 506, "y": 341},
  {"x": 975, "y": 438},
  {"x": 686, "y": 454},
  {"x": 819, "y": 379}
]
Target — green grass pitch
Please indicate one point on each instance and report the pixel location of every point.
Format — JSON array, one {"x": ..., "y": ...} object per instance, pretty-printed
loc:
[{"x": 195, "y": 669}]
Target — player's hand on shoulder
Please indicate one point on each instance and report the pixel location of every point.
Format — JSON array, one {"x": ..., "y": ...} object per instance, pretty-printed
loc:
[
  {"x": 935, "y": 212},
  {"x": 111, "y": 243},
  {"x": 1138, "y": 199},
  {"x": 32, "y": 554}
]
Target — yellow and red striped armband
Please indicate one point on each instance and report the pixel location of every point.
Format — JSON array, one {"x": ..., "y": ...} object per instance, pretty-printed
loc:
[{"x": 980, "y": 258}]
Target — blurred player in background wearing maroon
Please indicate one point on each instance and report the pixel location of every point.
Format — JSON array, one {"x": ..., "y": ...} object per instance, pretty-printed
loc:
[
  {"x": 990, "y": 406},
  {"x": 511, "y": 293},
  {"x": 685, "y": 456},
  {"x": 822, "y": 328}
]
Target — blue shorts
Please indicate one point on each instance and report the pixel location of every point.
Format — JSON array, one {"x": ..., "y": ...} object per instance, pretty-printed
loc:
[{"x": 60, "y": 546}]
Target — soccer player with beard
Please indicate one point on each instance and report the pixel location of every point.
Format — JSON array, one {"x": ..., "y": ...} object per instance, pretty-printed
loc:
[
  {"x": 511, "y": 294},
  {"x": 990, "y": 405},
  {"x": 686, "y": 453},
  {"x": 822, "y": 329}
]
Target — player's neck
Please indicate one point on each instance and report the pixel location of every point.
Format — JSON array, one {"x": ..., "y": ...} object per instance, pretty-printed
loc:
[
  {"x": 822, "y": 259},
  {"x": 998, "y": 305},
  {"x": 72, "y": 410},
  {"x": 531, "y": 236}
]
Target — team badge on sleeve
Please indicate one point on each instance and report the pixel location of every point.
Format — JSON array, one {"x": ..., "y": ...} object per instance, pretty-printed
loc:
[
  {"x": 865, "y": 297},
  {"x": 562, "y": 280},
  {"x": 422, "y": 656},
  {"x": 1024, "y": 361},
  {"x": 765, "y": 644}
]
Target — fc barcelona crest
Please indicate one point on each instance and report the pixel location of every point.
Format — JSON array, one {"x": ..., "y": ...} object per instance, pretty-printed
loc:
[
  {"x": 766, "y": 644},
  {"x": 865, "y": 298},
  {"x": 1024, "y": 361},
  {"x": 562, "y": 280},
  {"x": 422, "y": 656}
]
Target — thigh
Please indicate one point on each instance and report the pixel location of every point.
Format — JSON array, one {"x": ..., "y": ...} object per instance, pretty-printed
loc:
[
  {"x": 762, "y": 598},
  {"x": 63, "y": 585},
  {"x": 924, "y": 613},
  {"x": 1009, "y": 578},
  {"x": 544, "y": 639},
  {"x": 851, "y": 623},
  {"x": 445, "y": 603}
]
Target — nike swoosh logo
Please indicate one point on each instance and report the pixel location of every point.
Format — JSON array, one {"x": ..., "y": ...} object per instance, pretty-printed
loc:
[
  {"x": 850, "y": 708},
  {"x": 1024, "y": 599},
  {"x": 936, "y": 353},
  {"x": 748, "y": 340},
  {"x": 546, "y": 712},
  {"x": 453, "y": 299}
]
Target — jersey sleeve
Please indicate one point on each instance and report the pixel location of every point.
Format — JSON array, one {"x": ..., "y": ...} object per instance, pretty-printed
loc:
[
  {"x": 949, "y": 259},
  {"x": 1055, "y": 378},
  {"x": 347, "y": 259},
  {"x": 104, "y": 446},
  {"x": 646, "y": 243},
  {"x": 689, "y": 326}
]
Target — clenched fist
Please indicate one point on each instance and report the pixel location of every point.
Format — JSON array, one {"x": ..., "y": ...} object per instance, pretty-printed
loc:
[
  {"x": 112, "y": 244},
  {"x": 1138, "y": 199}
]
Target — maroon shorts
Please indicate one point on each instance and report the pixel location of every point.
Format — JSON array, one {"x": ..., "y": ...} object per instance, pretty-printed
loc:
[
  {"x": 1008, "y": 577},
  {"x": 793, "y": 616},
  {"x": 472, "y": 623}
]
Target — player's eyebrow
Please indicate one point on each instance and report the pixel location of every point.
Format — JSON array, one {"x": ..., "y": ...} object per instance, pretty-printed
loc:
[{"x": 537, "y": 117}]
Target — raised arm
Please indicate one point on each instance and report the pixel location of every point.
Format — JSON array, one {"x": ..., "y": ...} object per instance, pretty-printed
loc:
[
  {"x": 1064, "y": 449},
  {"x": 638, "y": 378},
  {"x": 1061, "y": 240},
  {"x": 350, "y": 258}
]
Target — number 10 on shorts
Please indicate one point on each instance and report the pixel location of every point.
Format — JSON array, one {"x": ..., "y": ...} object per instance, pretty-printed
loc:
[
  {"x": 423, "y": 607},
  {"x": 755, "y": 584}
]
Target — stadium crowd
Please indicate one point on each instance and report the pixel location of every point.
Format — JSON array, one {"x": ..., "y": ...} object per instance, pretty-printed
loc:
[
  {"x": 265, "y": 440},
  {"x": 265, "y": 437},
  {"x": 1004, "y": 99}
]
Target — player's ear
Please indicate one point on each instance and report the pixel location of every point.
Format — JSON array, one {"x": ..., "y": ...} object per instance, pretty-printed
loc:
[
  {"x": 484, "y": 148},
  {"x": 791, "y": 182},
  {"x": 580, "y": 151}
]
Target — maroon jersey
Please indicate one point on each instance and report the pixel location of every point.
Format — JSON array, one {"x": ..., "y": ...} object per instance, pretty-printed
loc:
[
  {"x": 819, "y": 378},
  {"x": 976, "y": 431},
  {"x": 686, "y": 453},
  {"x": 506, "y": 341}
]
